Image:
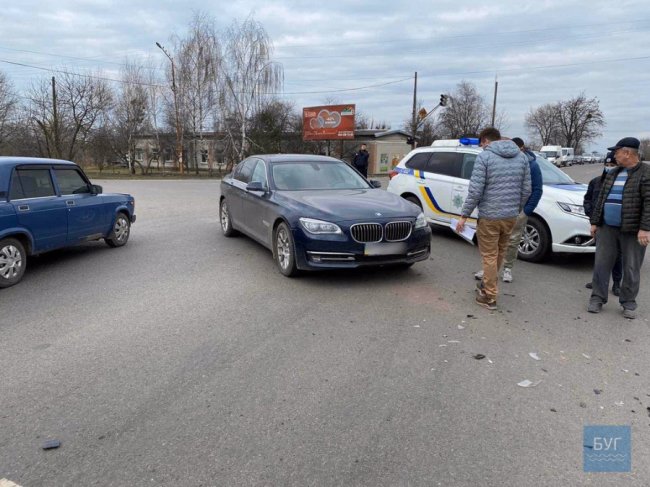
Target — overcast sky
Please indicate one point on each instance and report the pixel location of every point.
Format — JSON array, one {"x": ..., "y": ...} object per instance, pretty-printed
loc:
[{"x": 542, "y": 50}]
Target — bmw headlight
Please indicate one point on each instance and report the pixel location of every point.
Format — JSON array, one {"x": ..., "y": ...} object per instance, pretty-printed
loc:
[
  {"x": 420, "y": 221},
  {"x": 577, "y": 210},
  {"x": 319, "y": 226}
]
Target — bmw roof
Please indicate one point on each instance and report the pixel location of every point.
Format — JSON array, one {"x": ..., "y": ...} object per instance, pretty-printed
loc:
[{"x": 295, "y": 158}]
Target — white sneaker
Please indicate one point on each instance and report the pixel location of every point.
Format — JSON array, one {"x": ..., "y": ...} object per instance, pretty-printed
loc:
[
  {"x": 507, "y": 275},
  {"x": 479, "y": 275}
]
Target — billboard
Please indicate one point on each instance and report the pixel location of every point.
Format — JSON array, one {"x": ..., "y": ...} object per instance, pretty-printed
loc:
[{"x": 333, "y": 122}]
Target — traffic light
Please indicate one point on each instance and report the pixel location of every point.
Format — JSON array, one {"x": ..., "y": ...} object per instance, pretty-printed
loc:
[{"x": 443, "y": 100}]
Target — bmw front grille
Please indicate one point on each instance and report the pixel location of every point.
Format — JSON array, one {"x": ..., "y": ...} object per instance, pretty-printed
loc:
[
  {"x": 367, "y": 232},
  {"x": 397, "y": 231}
]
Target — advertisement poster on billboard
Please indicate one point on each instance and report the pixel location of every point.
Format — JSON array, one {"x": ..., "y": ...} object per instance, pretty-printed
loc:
[{"x": 333, "y": 122}]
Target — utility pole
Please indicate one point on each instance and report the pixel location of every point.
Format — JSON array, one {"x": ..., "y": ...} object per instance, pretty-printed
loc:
[
  {"x": 494, "y": 103},
  {"x": 179, "y": 131},
  {"x": 414, "y": 122},
  {"x": 55, "y": 123}
]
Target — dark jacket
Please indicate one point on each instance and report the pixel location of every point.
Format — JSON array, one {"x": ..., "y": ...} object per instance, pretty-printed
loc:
[
  {"x": 361, "y": 159},
  {"x": 536, "y": 183},
  {"x": 635, "y": 212},
  {"x": 591, "y": 196}
]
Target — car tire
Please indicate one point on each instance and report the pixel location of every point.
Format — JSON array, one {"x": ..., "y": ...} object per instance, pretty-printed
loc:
[
  {"x": 119, "y": 235},
  {"x": 225, "y": 219},
  {"x": 284, "y": 250},
  {"x": 415, "y": 200},
  {"x": 535, "y": 241},
  {"x": 13, "y": 261}
]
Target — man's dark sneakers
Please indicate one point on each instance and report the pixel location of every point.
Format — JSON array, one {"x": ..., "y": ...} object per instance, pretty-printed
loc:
[
  {"x": 595, "y": 307},
  {"x": 483, "y": 300},
  {"x": 616, "y": 289}
]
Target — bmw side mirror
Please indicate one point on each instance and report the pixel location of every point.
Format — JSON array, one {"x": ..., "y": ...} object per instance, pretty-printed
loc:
[
  {"x": 96, "y": 189},
  {"x": 375, "y": 183},
  {"x": 256, "y": 186}
]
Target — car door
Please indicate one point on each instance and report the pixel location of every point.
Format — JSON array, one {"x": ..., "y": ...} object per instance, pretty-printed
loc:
[
  {"x": 417, "y": 164},
  {"x": 460, "y": 186},
  {"x": 240, "y": 179},
  {"x": 255, "y": 204},
  {"x": 38, "y": 208},
  {"x": 441, "y": 173},
  {"x": 87, "y": 216}
]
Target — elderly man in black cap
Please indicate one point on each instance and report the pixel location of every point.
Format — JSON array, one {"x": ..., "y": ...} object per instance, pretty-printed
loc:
[{"x": 621, "y": 216}]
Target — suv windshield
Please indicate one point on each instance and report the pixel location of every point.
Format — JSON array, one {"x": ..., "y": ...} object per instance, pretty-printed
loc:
[
  {"x": 551, "y": 174},
  {"x": 300, "y": 176}
]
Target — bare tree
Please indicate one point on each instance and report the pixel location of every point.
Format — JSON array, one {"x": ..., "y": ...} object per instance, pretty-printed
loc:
[
  {"x": 580, "y": 121},
  {"x": 569, "y": 123},
  {"x": 543, "y": 123},
  {"x": 64, "y": 112},
  {"x": 645, "y": 149},
  {"x": 466, "y": 114},
  {"x": 131, "y": 114},
  {"x": 8, "y": 108},
  {"x": 249, "y": 75},
  {"x": 199, "y": 61}
]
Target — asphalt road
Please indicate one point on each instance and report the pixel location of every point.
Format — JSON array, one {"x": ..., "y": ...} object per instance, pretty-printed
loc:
[{"x": 186, "y": 359}]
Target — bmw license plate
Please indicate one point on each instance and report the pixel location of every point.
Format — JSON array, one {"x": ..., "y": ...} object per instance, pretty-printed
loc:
[{"x": 385, "y": 248}]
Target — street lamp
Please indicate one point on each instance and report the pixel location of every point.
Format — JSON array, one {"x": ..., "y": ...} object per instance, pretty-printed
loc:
[{"x": 179, "y": 133}]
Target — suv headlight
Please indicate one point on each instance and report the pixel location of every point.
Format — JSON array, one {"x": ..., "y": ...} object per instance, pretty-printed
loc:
[
  {"x": 319, "y": 226},
  {"x": 420, "y": 221},
  {"x": 577, "y": 210}
]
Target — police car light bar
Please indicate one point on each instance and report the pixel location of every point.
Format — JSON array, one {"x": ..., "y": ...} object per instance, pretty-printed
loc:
[{"x": 469, "y": 141}]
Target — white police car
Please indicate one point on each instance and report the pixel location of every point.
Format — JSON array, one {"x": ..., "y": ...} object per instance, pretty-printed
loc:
[{"x": 436, "y": 178}]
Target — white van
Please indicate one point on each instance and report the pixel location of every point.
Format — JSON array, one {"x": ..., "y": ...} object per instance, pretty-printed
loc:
[
  {"x": 568, "y": 156},
  {"x": 553, "y": 153}
]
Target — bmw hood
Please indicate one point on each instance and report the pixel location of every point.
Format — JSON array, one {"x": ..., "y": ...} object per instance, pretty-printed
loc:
[
  {"x": 566, "y": 193},
  {"x": 344, "y": 205}
]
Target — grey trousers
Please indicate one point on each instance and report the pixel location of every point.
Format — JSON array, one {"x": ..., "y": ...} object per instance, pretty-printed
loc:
[{"x": 609, "y": 238}]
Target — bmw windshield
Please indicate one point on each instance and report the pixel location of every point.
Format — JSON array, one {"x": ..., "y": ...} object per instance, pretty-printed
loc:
[
  {"x": 551, "y": 174},
  {"x": 303, "y": 176}
]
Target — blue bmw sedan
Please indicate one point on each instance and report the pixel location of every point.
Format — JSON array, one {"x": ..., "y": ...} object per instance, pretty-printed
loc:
[{"x": 316, "y": 212}]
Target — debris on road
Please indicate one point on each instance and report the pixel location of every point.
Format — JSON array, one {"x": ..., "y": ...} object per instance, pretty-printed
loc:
[
  {"x": 583, "y": 404},
  {"x": 597, "y": 391},
  {"x": 51, "y": 444},
  {"x": 586, "y": 356},
  {"x": 479, "y": 356},
  {"x": 527, "y": 383},
  {"x": 461, "y": 327},
  {"x": 619, "y": 403},
  {"x": 534, "y": 356},
  {"x": 553, "y": 410}
]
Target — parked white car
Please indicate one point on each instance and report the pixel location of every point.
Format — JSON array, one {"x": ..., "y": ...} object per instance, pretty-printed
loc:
[{"x": 436, "y": 179}]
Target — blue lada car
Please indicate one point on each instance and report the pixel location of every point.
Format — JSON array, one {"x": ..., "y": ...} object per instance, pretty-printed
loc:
[{"x": 47, "y": 204}]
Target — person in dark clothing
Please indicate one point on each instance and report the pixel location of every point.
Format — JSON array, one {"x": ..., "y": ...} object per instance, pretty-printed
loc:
[
  {"x": 360, "y": 161},
  {"x": 621, "y": 216},
  {"x": 591, "y": 197}
]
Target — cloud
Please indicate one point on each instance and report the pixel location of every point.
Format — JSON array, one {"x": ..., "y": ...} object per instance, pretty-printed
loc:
[{"x": 329, "y": 46}]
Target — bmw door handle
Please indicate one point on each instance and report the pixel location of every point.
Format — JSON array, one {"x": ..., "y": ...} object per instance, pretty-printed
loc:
[
  {"x": 70, "y": 202},
  {"x": 23, "y": 208}
]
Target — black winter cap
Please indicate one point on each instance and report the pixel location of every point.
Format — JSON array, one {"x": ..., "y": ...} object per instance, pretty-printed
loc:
[{"x": 631, "y": 142}]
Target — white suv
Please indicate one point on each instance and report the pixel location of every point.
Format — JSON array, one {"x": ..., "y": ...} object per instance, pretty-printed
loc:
[{"x": 436, "y": 179}]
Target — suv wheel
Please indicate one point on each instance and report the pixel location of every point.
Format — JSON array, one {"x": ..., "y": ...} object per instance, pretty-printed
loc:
[
  {"x": 12, "y": 262},
  {"x": 535, "y": 241}
]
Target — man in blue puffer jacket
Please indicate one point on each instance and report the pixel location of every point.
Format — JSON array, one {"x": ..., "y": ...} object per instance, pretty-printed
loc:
[{"x": 500, "y": 187}]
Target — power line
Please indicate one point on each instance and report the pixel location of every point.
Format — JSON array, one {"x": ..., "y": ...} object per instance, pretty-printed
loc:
[{"x": 61, "y": 71}]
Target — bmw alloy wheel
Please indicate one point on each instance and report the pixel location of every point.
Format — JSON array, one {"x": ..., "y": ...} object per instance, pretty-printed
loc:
[
  {"x": 283, "y": 248},
  {"x": 530, "y": 240},
  {"x": 225, "y": 217}
]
